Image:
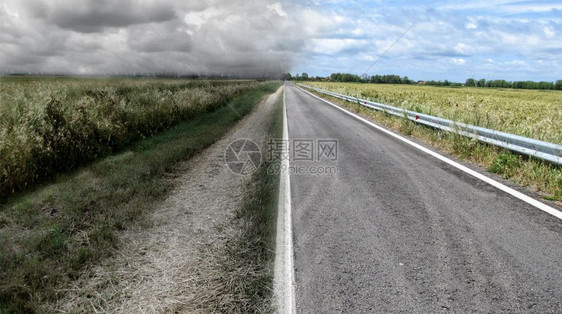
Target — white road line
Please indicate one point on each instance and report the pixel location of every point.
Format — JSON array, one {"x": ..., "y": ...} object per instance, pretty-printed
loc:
[
  {"x": 284, "y": 275},
  {"x": 519, "y": 195}
]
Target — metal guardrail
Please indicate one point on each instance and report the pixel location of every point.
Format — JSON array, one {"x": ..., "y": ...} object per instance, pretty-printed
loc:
[{"x": 524, "y": 145}]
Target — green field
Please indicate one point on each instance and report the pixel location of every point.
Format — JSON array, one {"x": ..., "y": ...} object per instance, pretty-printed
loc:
[
  {"x": 532, "y": 113},
  {"x": 52, "y": 125}
]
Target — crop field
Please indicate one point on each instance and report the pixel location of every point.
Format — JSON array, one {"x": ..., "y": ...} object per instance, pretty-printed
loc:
[
  {"x": 52, "y": 125},
  {"x": 531, "y": 113}
]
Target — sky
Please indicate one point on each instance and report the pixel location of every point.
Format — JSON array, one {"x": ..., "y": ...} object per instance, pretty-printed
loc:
[{"x": 453, "y": 40}]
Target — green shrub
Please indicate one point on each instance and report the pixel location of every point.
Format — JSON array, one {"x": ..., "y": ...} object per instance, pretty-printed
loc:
[{"x": 505, "y": 164}]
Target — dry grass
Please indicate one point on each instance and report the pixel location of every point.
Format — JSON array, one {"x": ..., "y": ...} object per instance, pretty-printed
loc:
[
  {"x": 49, "y": 126},
  {"x": 531, "y": 113},
  {"x": 177, "y": 268}
]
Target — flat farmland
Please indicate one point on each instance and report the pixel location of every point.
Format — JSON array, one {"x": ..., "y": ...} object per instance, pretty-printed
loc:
[{"x": 532, "y": 113}]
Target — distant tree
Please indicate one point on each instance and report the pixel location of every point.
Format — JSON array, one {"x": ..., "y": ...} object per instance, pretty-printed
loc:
[
  {"x": 470, "y": 82},
  {"x": 406, "y": 80},
  {"x": 345, "y": 77},
  {"x": 499, "y": 83},
  {"x": 388, "y": 79},
  {"x": 286, "y": 76},
  {"x": 365, "y": 78},
  {"x": 304, "y": 76},
  {"x": 546, "y": 85},
  {"x": 515, "y": 84}
]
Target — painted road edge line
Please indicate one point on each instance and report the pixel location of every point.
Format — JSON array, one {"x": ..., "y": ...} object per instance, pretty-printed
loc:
[
  {"x": 527, "y": 199},
  {"x": 284, "y": 272}
]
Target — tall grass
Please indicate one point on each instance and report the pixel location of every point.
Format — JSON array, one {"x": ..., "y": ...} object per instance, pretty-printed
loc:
[
  {"x": 531, "y": 113},
  {"x": 49, "y": 126}
]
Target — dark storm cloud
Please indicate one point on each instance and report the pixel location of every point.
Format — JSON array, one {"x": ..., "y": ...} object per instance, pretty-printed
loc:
[
  {"x": 252, "y": 37},
  {"x": 150, "y": 38},
  {"x": 89, "y": 16}
]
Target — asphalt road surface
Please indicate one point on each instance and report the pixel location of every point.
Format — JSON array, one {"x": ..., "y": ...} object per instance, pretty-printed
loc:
[{"x": 396, "y": 230}]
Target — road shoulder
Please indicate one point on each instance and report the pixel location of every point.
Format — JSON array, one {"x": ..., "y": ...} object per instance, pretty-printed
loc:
[{"x": 177, "y": 264}]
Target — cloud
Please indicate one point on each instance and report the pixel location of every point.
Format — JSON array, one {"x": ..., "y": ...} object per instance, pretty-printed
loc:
[
  {"x": 89, "y": 16},
  {"x": 458, "y": 61},
  {"x": 236, "y": 37},
  {"x": 505, "y": 6},
  {"x": 331, "y": 46},
  {"x": 447, "y": 36},
  {"x": 277, "y": 8},
  {"x": 148, "y": 38},
  {"x": 256, "y": 37}
]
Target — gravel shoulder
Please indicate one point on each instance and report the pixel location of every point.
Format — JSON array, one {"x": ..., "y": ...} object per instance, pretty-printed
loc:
[{"x": 175, "y": 264}]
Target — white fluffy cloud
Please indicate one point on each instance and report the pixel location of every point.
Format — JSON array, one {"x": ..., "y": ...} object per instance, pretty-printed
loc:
[{"x": 449, "y": 40}]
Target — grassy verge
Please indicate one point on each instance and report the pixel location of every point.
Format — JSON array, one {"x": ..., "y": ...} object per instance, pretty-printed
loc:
[
  {"x": 49, "y": 236},
  {"x": 543, "y": 177},
  {"x": 55, "y": 126},
  {"x": 249, "y": 264},
  {"x": 535, "y": 114}
]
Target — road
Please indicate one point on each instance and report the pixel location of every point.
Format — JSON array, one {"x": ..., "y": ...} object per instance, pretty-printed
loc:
[{"x": 397, "y": 230}]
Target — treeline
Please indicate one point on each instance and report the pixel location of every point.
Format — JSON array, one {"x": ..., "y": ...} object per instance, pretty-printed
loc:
[
  {"x": 380, "y": 79},
  {"x": 377, "y": 79},
  {"x": 515, "y": 84},
  {"x": 441, "y": 83},
  {"x": 351, "y": 78},
  {"x": 396, "y": 79},
  {"x": 301, "y": 77}
]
